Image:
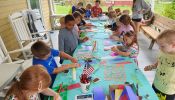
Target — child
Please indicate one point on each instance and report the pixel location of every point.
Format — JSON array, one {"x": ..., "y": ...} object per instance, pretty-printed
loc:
[
  {"x": 110, "y": 8},
  {"x": 125, "y": 12},
  {"x": 96, "y": 10},
  {"x": 125, "y": 24},
  {"x": 33, "y": 80},
  {"x": 77, "y": 16},
  {"x": 74, "y": 8},
  {"x": 116, "y": 34},
  {"x": 118, "y": 12},
  {"x": 82, "y": 11},
  {"x": 130, "y": 47},
  {"x": 46, "y": 56},
  {"x": 112, "y": 17},
  {"x": 82, "y": 14},
  {"x": 62, "y": 23},
  {"x": 88, "y": 11},
  {"x": 138, "y": 8},
  {"x": 164, "y": 80},
  {"x": 68, "y": 40}
]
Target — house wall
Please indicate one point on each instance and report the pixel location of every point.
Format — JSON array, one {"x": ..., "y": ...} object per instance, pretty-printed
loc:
[
  {"x": 7, "y": 7},
  {"x": 10, "y": 6},
  {"x": 46, "y": 13}
]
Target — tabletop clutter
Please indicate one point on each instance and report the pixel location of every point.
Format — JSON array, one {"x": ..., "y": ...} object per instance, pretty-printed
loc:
[{"x": 86, "y": 80}]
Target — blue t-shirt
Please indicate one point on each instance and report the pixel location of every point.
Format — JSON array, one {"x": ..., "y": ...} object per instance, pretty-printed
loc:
[
  {"x": 88, "y": 14},
  {"x": 73, "y": 9},
  {"x": 50, "y": 64}
]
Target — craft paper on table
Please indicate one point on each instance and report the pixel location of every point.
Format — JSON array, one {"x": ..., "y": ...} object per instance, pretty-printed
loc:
[
  {"x": 118, "y": 93},
  {"x": 113, "y": 54},
  {"x": 99, "y": 93},
  {"x": 88, "y": 43},
  {"x": 115, "y": 73},
  {"x": 91, "y": 30},
  {"x": 107, "y": 43},
  {"x": 113, "y": 59},
  {"x": 125, "y": 62},
  {"x": 73, "y": 86},
  {"x": 88, "y": 48},
  {"x": 106, "y": 48}
]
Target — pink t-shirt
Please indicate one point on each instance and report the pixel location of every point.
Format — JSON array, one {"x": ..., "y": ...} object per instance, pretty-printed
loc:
[{"x": 125, "y": 28}]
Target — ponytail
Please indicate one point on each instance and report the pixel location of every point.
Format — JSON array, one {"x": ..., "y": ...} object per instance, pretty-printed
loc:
[{"x": 17, "y": 92}]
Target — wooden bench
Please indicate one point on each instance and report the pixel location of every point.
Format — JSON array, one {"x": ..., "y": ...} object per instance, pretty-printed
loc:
[{"x": 159, "y": 24}]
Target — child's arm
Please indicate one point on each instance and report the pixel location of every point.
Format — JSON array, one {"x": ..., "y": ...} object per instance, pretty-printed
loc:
[
  {"x": 66, "y": 56},
  {"x": 150, "y": 67},
  {"x": 133, "y": 26},
  {"x": 50, "y": 92},
  {"x": 116, "y": 38},
  {"x": 115, "y": 49},
  {"x": 65, "y": 67}
]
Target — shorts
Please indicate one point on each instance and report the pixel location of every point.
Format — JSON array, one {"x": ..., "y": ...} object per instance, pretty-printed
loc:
[
  {"x": 137, "y": 20},
  {"x": 163, "y": 96}
]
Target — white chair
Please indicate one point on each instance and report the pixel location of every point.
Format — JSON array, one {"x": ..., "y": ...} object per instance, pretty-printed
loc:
[
  {"x": 34, "y": 20},
  {"x": 23, "y": 35},
  {"x": 5, "y": 57},
  {"x": 9, "y": 69}
]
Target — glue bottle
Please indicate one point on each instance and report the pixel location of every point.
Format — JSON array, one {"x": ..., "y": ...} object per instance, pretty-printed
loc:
[{"x": 73, "y": 74}]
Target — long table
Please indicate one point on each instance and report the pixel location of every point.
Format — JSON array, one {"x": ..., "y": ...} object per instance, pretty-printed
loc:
[{"x": 105, "y": 67}]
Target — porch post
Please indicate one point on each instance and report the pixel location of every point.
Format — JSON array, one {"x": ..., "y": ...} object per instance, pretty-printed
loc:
[{"x": 152, "y": 4}]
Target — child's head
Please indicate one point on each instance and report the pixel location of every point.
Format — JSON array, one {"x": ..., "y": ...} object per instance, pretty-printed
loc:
[
  {"x": 82, "y": 12},
  {"x": 118, "y": 11},
  {"x": 97, "y": 3},
  {"x": 80, "y": 5},
  {"x": 62, "y": 22},
  {"x": 130, "y": 38},
  {"x": 125, "y": 12},
  {"x": 69, "y": 22},
  {"x": 77, "y": 17},
  {"x": 40, "y": 50},
  {"x": 125, "y": 19},
  {"x": 112, "y": 14},
  {"x": 33, "y": 80},
  {"x": 88, "y": 6},
  {"x": 110, "y": 8},
  {"x": 166, "y": 41}
]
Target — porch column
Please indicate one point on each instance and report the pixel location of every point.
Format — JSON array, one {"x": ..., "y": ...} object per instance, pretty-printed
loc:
[{"x": 152, "y": 4}]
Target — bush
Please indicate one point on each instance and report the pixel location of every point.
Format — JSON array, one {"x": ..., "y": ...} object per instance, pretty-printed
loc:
[{"x": 169, "y": 10}]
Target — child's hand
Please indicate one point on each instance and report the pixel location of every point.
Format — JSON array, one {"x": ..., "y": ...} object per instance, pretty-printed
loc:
[
  {"x": 73, "y": 60},
  {"x": 85, "y": 39},
  {"x": 57, "y": 97},
  {"x": 148, "y": 68},
  {"x": 114, "y": 49},
  {"x": 75, "y": 65}
]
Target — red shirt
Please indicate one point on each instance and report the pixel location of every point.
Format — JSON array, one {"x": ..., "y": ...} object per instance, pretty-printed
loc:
[{"x": 96, "y": 11}]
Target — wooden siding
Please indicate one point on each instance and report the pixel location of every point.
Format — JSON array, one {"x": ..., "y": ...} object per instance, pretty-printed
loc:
[
  {"x": 46, "y": 13},
  {"x": 7, "y": 7}
]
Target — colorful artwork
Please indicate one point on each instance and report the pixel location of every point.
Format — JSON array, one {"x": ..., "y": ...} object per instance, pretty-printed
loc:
[{"x": 115, "y": 73}]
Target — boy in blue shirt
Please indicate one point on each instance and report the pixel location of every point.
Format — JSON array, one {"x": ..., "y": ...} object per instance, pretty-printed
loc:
[{"x": 45, "y": 56}]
